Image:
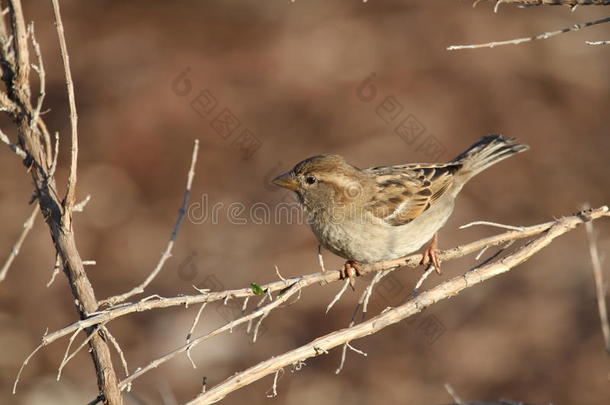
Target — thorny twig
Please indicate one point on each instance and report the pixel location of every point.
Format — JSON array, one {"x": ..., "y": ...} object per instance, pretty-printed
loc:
[
  {"x": 170, "y": 245},
  {"x": 518, "y": 41},
  {"x": 304, "y": 281},
  {"x": 443, "y": 291},
  {"x": 527, "y": 3},
  {"x": 261, "y": 312}
]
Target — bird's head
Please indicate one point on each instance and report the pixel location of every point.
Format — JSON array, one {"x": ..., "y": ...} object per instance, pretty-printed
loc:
[{"x": 324, "y": 181}]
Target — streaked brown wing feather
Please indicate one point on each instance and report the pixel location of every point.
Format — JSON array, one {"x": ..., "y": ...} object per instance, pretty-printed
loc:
[{"x": 405, "y": 192}]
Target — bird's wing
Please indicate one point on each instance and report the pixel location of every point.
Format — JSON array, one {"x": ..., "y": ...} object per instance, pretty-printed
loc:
[{"x": 405, "y": 192}]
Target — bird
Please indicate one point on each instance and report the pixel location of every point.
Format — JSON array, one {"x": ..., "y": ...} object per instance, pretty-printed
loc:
[{"x": 386, "y": 212}]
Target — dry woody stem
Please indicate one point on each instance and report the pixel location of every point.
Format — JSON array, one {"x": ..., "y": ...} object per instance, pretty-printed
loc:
[
  {"x": 600, "y": 286},
  {"x": 172, "y": 240},
  {"x": 34, "y": 140},
  {"x": 443, "y": 291},
  {"x": 518, "y": 41}
]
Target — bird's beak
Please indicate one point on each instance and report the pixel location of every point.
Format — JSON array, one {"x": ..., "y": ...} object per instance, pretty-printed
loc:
[{"x": 286, "y": 180}]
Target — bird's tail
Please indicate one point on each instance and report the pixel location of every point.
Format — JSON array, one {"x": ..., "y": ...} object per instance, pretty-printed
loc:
[{"x": 488, "y": 151}]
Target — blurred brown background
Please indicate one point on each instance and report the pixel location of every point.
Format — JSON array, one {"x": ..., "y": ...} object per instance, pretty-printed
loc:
[{"x": 290, "y": 74}]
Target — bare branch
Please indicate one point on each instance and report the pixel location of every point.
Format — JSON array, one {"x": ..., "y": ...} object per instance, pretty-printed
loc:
[
  {"x": 67, "y": 357},
  {"x": 443, "y": 291},
  {"x": 117, "y": 347},
  {"x": 595, "y": 43},
  {"x": 368, "y": 291},
  {"x": 71, "y": 192},
  {"x": 262, "y": 312},
  {"x": 321, "y": 259},
  {"x": 195, "y": 322},
  {"x": 27, "y": 226},
  {"x": 514, "y": 228},
  {"x": 422, "y": 279},
  {"x": 304, "y": 281},
  {"x": 273, "y": 389},
  {"x": 20, "y": 39},
  {"x": 67, "y": 353},
  {"x": 15, "y": 148},
  {"x": 55, "y": 156},
  {"x": 279, "y": 275},
  {"x": 41, "y": 76},
  {"x": 453, "y": 394},
  {"x": 600, "y": 288},
  {"x": 339, "y": 294},
  {"x": 518, "y": 41},
  {"x": 81, "y": 205},
  {"x": 55, "y": 270},
  {"x": 25, "y": 363},
  {"x": 570, "y": 3},
  {"x": 170, "y": 245},
  {"x": 34, "y": 140}
]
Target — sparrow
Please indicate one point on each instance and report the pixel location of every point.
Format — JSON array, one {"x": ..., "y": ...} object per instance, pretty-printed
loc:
[{"x": 386, "y": 212}]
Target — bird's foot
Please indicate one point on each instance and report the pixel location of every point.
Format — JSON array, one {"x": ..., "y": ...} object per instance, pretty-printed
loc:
[
  {"x": 430, "y": 254},
  {"x": 351, "y": 270}
]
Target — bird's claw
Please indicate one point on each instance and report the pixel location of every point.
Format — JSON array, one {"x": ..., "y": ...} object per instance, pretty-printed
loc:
[
  {"x": 430, "y": 255},
  {"x": 351, "y": 270}
]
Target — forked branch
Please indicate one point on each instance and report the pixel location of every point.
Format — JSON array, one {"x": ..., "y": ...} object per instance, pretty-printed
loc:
[{"x": 448, "y": 289}]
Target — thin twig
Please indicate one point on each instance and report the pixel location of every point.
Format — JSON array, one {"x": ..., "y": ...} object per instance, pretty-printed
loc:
[
  {"x": 352, "y": 348},
  {"x": 478, "y": 256},
  {"x": 571, "y": 3},
  {"x": 117, "y": 347},
  {"x": 81, "y": 205},
  {"x": 423, "y": 278},
  {"x": 264, "y": 311},
  {"x": 55, "y": 156},
  {"x": 15, "y": 148},
  {"x": 195, "y": 322},
  {"x": 304, "y": 280},
  {"x": 170, "y": 245},
  {"x": 338, "y": 295},
  {"x": 56, "y": 268},
  {"x": 600, "y": 287},
  {"x": 258, "y": 325},
  {"x": 518, "y": 41},
  {"x": 514, "y": 228},
  {"x": 596, "y": 43},
  {"x": 69, "y": 357},
  {"x": 188, "y": 356},
  {"x": 27, "y": 226},
  {"x": 71, "y": 191},
  {"x": 279, "y": 275},
  {"x": 368, "y": 291},
  {"x": 41, "y": 77},
  {"x": 25, "y": 362},
  {"x": 321, "y": 259},
  {"x": 20, "y": 47},
  {"x": 453, "y": 394},
  {"x": 16, "y": 102},
  {"x": 273, "y": 389},
  {"x": 443, "y": 291}
]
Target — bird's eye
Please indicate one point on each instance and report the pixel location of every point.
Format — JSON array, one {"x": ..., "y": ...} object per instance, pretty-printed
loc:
[{"x": 310, "y": 179}]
